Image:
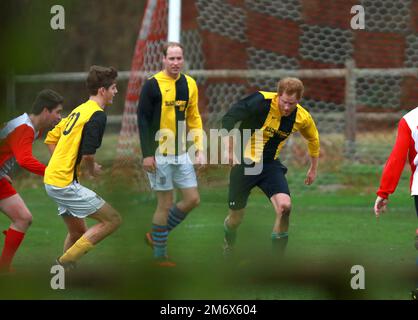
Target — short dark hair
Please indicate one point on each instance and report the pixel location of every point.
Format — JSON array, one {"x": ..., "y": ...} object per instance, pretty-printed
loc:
[
  {"x": 100, "y": 77},
  {"x": 47, "y": 98},
  {"x": 171, "y": 44}
]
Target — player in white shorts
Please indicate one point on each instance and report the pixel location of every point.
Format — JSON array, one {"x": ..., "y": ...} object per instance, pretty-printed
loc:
[
  {"x": 73, "y": 144},
  {"x": 168, "y": 105}
]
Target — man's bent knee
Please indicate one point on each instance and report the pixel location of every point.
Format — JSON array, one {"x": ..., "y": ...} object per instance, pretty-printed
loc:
[
  {"x": 113, "y": 220},
  {"x": 193, "y": 202},
  {"x": 116, "y": 220},
  {"x": 284, "y": 209},
  {"x": 23, "y": 222},
  {"x": 108, "y": 215}
]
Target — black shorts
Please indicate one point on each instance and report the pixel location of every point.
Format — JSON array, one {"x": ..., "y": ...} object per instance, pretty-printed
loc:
[{"x": 271, "y": 181}]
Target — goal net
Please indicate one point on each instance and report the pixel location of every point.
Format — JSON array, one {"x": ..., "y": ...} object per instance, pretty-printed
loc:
[{"x": 358, "y": 83}]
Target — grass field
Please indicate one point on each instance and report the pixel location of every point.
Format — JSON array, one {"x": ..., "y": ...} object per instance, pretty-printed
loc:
[
  {"x": 329, "y": 233},
  {"x": 332, "y": 228}
]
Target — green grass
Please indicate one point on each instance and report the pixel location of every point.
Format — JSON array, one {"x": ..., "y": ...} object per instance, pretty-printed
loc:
[
  {"x": 332, "y": 228},
  {"x": 329, "y": 233}
]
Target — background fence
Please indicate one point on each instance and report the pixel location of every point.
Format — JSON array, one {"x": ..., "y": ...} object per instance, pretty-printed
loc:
[{"x": 358, "y": 82}]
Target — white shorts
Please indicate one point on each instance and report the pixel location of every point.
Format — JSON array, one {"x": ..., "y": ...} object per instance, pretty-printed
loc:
[
  {"x": 75, "y": 200},
  {"x": 173, "y": 172}
]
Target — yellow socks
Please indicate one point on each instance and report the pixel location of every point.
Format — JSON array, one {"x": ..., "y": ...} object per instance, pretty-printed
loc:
[{"x": 80, "y": 248}]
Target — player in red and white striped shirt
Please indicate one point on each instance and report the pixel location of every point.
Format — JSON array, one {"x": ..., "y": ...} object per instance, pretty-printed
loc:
[
  {"x": 406, "y": 147},
  {"x": 16, "y": 139}
]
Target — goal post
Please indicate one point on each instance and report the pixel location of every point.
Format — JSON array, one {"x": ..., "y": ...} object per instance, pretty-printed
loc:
[{"x": 174, "y": 20}]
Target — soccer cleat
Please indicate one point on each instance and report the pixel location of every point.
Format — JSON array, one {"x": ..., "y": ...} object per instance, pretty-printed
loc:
[
  {"x": 414, "y": 294},
  {"x": 165, "y": 263},
  {"x": 68, "y": 266},
  {"x": 148, "y": 240}
]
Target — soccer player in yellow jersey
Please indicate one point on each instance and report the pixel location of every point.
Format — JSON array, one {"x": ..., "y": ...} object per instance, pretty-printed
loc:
[
  {"x": 167, "y": 107},
  {"x": 73, "y": 143},
  {"x": 276, "y": 115}
]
